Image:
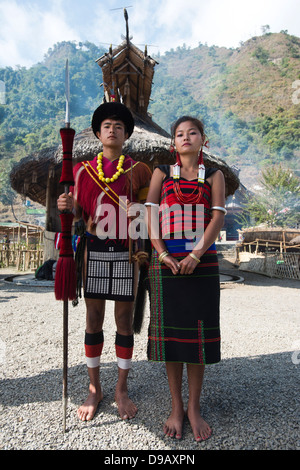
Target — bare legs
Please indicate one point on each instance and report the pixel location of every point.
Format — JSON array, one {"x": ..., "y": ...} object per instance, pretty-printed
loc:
[
  {"x": 200, "y": 428},
  {"x": 124, "y": 317},
  {"x": 94, "y": 324},
  {"x": 173, "y": 425}
]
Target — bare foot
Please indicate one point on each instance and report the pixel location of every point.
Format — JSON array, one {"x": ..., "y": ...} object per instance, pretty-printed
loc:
[
  {"x": 200, "y": 428},
  {"x": 173, "y": 425},
  {"x": 127, "y": 409},
  {"x": 87, "y": 411}
]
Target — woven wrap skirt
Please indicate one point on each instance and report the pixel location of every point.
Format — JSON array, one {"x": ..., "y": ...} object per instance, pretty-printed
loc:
[
  {"x": 109, "y": 275},
  {"x": 184, "y": 309}
]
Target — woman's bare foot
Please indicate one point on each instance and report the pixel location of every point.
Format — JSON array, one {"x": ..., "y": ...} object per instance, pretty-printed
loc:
[
  {"x": 200, "y": 428},
  {"x": 173, "y": 425},
  {"x": 127, "y": 409},
  {"x": 87, "y": 411}
]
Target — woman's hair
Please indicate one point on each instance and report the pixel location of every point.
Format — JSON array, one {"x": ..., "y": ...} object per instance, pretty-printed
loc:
[{"x": 195, "y": 121}]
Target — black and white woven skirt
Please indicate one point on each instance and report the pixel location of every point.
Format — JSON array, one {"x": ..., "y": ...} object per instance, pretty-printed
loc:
[{"x": 109, "y": 275}]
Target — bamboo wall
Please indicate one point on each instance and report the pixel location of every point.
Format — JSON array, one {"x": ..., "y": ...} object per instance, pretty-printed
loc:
[{"x": 23, "y": 258}]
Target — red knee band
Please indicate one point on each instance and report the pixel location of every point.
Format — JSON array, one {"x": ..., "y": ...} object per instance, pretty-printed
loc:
[
  {"x": 93, "y": 344},
  {"x": 124, "y": 350},
  {"x": 93, "y": 351},
  {"x": 124, "y": 353}
]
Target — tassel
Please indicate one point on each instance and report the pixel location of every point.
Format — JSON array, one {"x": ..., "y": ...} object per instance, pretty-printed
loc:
[
  {"x": 65, "y": 279},
  {"x": 140, "y": 300},
  {"x": 65, "y": 276},
  {"x": 143, "y": 287}
]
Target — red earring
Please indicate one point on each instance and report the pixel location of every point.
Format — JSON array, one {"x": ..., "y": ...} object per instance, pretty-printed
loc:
[
  {"x": 200, "y": 157},
  {"x": 178, "y": 161},
  {"x": 172, "y": 150}
]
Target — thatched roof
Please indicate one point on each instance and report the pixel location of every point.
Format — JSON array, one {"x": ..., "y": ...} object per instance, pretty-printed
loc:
[
  {"x": 148, "y": 143},
  {"x": 13, "y": 228},
  {"x": 262, "y": 232},
  {"x": 127, "y": 74}
]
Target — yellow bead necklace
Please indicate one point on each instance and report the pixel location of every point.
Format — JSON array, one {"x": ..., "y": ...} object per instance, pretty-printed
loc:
[{"x": 119, "y": 171}]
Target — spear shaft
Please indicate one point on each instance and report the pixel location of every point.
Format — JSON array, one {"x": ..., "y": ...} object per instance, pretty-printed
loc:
[
  {"x": 65, "y": 278},
  {"x": 130, "y": 239}
]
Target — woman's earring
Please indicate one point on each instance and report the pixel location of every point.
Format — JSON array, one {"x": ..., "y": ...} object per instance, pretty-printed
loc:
[
  {"x": 172, "y": 150},
  {"x": 200, "y": 156},
  {"x": 178, "y": 161}
]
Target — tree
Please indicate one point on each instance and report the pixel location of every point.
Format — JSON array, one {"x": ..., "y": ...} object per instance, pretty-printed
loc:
[
  {"x": 278, "y": 204},
  {"x": 265, "y": 29},
  {"x": 7, "y": 194}
]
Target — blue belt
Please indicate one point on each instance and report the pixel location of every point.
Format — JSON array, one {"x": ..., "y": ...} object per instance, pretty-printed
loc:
[{"x": 182, "y": 245}]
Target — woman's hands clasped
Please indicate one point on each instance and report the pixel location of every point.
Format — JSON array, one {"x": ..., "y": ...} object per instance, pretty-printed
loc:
[{"x": 185, "y": 266}]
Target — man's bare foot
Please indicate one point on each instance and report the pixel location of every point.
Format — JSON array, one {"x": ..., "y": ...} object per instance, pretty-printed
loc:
[
  {"x": 200, "y": 428},
  {"x": 127, "y": 409},
  {"x": 87, "y": 411},
  {"x": 173, "y": 425}
]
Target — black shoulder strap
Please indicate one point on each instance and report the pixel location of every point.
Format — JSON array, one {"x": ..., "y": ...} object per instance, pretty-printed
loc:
[
  {"x": 165, "y": 169},
  {"x": 209, "y": 172}
]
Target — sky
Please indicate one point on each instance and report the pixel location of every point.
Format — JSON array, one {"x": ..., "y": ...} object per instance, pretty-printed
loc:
[{"x": 28, "y": 28}]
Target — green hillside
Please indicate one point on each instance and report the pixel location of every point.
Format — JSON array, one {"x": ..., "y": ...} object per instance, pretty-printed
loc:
[{"x": 244, "y": 97}]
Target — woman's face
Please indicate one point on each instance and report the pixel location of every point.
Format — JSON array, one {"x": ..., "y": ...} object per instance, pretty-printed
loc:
[{"x": 188, "y": 138}]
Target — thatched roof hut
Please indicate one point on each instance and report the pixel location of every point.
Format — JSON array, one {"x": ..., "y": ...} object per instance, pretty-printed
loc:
[
  {"x": 270, "y": 234},
  {"x": 21, "y": 231}
]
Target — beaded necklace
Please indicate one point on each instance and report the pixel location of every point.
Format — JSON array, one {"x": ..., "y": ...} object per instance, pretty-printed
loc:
[
  {"x": 114, "y": 177},
  {"x": 195, "y": 196}
]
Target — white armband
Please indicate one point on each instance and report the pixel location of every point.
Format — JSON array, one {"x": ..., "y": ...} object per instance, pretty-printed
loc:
[
  {"x": 152, "y": 204},
  {"x": 219, "y": 208}
]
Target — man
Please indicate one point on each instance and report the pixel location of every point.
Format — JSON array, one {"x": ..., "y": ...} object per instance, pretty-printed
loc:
[{"x": 101, "y": 189}]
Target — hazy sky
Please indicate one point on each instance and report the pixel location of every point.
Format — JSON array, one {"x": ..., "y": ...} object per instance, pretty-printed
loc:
[{"x": 28, "y": 28}]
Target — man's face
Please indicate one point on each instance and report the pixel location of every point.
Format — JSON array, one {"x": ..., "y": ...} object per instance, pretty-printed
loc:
[{"x": 112, "y": 133}]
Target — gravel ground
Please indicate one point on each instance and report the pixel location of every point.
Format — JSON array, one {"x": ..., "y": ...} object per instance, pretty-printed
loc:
[{"x": 251, "y": 398}]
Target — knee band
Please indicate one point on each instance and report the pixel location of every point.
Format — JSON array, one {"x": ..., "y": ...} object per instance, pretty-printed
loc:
[
  {"x": 124, "y": 350},
  {"x": 93, "y": 343}
]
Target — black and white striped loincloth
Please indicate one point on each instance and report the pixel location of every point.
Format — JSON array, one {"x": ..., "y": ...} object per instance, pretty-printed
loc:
[{"x": 109, "y": 275}]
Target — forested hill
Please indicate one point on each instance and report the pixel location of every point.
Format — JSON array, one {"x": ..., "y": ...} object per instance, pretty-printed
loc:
[{"x": 245, "y": 97}]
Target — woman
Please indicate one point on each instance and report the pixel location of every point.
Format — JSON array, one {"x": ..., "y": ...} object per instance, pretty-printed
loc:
[{"x": 184, "y": 276}]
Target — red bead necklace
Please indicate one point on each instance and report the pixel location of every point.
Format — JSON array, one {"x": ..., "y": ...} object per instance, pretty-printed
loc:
[{"x": 195, "y": 196}]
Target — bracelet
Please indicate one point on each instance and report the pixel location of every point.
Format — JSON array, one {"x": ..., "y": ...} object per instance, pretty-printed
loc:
[
  {"x": 151, "y": 204},
  {"x": 219, "y": 208},
  {"x": 194, "y": 257},
  {"x": 162, "y": 256}
]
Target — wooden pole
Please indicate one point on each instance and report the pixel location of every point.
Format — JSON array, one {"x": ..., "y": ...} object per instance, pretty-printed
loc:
[
  {"x": 65, "y": 362},
  {"x": 130, "y": 239}
]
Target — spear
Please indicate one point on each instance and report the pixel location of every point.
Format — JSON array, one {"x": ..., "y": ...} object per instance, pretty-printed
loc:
[
  {"x": 65, "y": 277},
  {"x": 130, "y": 239}
]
